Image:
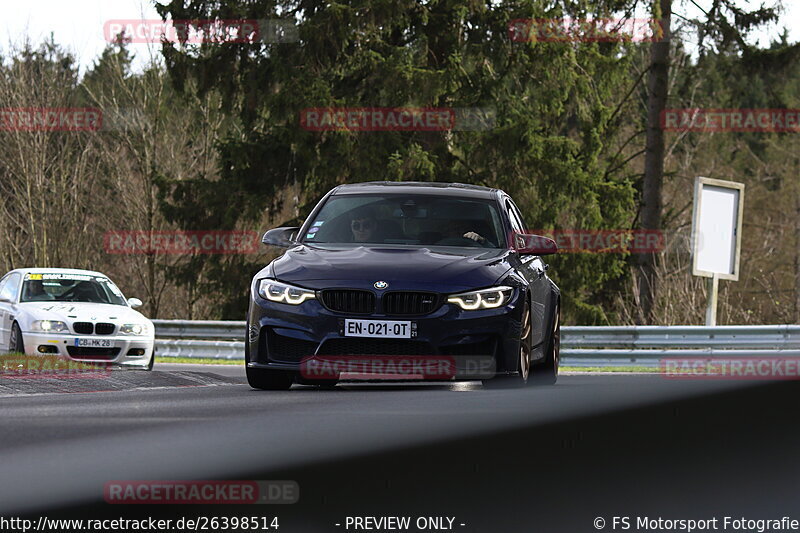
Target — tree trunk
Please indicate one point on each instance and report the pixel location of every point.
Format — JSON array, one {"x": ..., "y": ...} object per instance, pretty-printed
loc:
[{"x": 654, "y": 160}]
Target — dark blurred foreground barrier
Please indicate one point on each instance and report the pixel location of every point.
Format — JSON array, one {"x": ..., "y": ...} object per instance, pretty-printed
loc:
[{"x": 581, "y": 346}]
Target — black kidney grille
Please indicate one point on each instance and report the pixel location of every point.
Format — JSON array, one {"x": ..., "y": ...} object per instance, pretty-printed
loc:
[
  {"x": 84, "y": 328},
  {"x": 104, "y": 328},
  {"x": 349, "y": 301},
  {"x": 410, "y": 303}
]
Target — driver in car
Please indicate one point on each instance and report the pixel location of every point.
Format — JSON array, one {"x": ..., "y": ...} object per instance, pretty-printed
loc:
[
  {"x": 460, "y": 229},
  {"x": 84, "y": 291}
]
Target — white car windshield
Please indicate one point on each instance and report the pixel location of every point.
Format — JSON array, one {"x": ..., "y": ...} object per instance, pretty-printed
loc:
[{"x": 70, "y": 288}]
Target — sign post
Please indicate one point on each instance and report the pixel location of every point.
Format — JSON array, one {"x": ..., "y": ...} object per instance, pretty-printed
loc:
[
  {"x": 716, "y": 235},
  {"x": 713, "y": 293}
]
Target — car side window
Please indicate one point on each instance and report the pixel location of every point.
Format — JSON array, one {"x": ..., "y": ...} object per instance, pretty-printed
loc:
[
  {"x": 518, "y": 214},
  {"x": 513, "y": 216},
  {"x": 9, "y": 288}
]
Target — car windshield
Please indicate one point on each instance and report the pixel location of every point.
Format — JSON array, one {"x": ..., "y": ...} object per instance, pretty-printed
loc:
[
  {"x": 413, "y": 220},
  {"x": 70, "y": 288}
]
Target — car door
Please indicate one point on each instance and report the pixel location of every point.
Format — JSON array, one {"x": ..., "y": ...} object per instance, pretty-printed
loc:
[
  {"x": 4, "y": 310},
  {"x": 533, "y": 269},
  {"x": 9, "y": 287}
]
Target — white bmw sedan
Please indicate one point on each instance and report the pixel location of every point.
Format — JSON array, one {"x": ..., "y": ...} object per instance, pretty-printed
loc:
[{"x": 78, "y": 314}]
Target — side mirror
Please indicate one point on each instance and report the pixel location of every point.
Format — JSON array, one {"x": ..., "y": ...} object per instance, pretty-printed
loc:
[
  {"x": 529, "y": 244},
  {"x": 283, "y": 237},
  {"x": 134, "y": 302}
]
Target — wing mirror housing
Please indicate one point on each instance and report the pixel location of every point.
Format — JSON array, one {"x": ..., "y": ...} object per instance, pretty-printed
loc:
[
  {"x": 283, "y": 237},
  {"x": 530, "y": 244},
  {"x": 134, "y": 302}
]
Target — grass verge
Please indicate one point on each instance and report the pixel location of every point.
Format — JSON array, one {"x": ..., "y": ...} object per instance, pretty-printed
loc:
[
  {"x": 199, "y": 361},
  {"x": 616, "y": 369}
]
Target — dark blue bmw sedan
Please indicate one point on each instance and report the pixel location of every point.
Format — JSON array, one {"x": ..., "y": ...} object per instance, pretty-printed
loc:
[{"x": 405, "y": 280}]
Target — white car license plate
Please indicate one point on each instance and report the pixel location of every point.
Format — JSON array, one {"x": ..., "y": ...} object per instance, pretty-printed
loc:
[
  {"x": 388, "y": 329},
  {"x": 94, "y": 343}
]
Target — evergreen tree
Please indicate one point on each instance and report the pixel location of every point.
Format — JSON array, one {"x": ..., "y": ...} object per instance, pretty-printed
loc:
[{"x": 554, "y": 105}]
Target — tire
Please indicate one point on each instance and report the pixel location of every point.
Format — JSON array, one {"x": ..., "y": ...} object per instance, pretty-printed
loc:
[
  {"x": 265, "y": 379},
  {"x": 547, "y": 373},
  {"x": 15, "y": 343},
  {"x": 521, "y": 377}
]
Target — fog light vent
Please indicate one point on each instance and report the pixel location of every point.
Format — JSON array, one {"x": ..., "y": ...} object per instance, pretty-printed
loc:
[{"x": 136, "y": 351}]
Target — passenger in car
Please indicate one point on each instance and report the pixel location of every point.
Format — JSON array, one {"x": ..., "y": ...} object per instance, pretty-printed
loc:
[
  {"x": 34, "y": 292},
  {"x": 363, "y": 225}
]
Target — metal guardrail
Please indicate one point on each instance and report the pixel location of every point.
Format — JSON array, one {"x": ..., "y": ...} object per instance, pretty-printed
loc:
[
  {"x": 582, "y": 346},
  {"x": 603, "y": 346},
  {"x": 198, "y": 349},
  {"x": 200, "y": 329}
]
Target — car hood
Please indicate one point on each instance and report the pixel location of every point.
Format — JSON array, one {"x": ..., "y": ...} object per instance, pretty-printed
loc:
[
  {"x": 435, "y": 268},
  {"x": 82, "y": 312}
]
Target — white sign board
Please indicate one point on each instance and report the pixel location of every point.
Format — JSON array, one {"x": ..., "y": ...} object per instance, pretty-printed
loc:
[{"x": 717, "y": 228}]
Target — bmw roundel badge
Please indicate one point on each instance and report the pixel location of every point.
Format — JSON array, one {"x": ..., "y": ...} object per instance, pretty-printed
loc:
[{"x": 380, "y": 285}]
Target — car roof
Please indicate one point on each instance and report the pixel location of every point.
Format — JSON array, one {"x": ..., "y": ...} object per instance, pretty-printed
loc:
[
  {"x": 58, "y": 271},
  {"x": 432, "y": 188}
]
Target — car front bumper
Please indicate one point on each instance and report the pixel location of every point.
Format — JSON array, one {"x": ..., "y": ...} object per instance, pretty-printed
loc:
[
  {"x": 119, "y": 354},
  {"x": 282, "y": 336}
]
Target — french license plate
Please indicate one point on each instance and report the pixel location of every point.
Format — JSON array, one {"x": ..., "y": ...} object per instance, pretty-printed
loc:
[
  {"x": 386, "y": 329},
  {"x": 94, "y": 343}
]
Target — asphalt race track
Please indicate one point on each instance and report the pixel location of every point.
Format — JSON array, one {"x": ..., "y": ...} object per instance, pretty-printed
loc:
[{"x": 536, "y": 459}]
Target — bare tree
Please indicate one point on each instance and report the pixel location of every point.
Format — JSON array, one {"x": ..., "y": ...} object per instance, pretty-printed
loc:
[
  {"x": 152, "y": 134},
  {"x": 46, "y": 161}
]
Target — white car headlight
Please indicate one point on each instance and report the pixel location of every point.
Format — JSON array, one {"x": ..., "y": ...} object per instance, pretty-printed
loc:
[
  {"x": 482, "y": 299},
  {"x": 49, "y": 326},
  {"x": 133, "y": 329},
  {"x": 275, "y": 291}
]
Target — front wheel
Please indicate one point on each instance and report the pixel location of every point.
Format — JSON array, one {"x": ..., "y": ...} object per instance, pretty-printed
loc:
[
  {"x": 546, "y": 373},
  {"x": 268, "y": 379},
  {"x": 15, "y": 343},
  {"x": 520, "y": 379}
]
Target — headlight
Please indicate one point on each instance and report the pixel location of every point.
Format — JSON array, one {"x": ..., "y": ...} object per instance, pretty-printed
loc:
[
  {"x": 275, "y": 291},
  {"x": 482, "y": 299},
  {"x": 133, "y": 329},
  {"x": 49, "y": 326}
]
